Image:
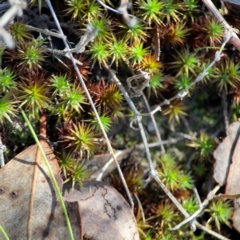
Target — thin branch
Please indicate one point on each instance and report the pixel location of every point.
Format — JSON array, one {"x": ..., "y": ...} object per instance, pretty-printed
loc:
[
  {"x": 186, "y": 136},
  {"x": 63, "y": 53},
  {"x": 163, "y": 142},
  {"x": 197, "y": 196},
  {"x": 46, "y": 32},
  {"x": 107, "y": 164},
  {"x": 140, "y": 207},
  {"x": 112, "y": 9},
  {"x": 154, "y": 124},
  {"x": 211, "y": 232}
]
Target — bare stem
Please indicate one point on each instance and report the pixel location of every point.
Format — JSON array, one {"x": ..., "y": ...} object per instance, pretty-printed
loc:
[{"x": 154, "y": 124}]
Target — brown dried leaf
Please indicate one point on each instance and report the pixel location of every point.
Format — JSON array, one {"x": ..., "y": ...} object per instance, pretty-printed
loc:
[
  {"x": 28, "y": 203},
  {"x": 227, "y": 167},
  {"x": 105, "y": 213},
  {"x": 224, "y": 153}
]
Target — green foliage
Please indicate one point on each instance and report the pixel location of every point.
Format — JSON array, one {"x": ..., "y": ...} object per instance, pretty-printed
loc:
[
  {"x": 151, "y": 11},
  {"x": 167, "y": 216},
  {"x": 66, "y": 160},
  {"x": 174, "y": 178},
  {"x": 170, "y": 11},
  {"x": 30, "y": 54},
  {"x": 155, "y": 84},
  {"x": 166, "y": 160},
  {"x": 142, "y": 225},
  {"x": 19, "y": 32},
  {"x": 185, "y": 62},
  {"x": 104, "y": 29},
  {"x": 190, "y": 7},
  {"x": 99, "y": 52},
  {"x": 76, "y": 8},
  {"x": 60, "y": 84},
  {"x": 215, "y": 31},
  {"x": 175, "y": 34},
  {"x": 134, "y": 180},
  {"x": 227, "y": 74},
  {"x": 77, "y": 174},
  {"x": 150, "y": 64},
  {"x": 190, "y": 205},
  {"x": 169, "y": 175},
  {"x": 72, "y": 101},
  {"x": 134, "y": 35},
  {"x": 7, "y": 108},
  {"x": 236, "y": 111},
  {"x": 199, "y": 170},
  {"x": 204, "y": 144},
  {"x": 220, "y": 212},
  {"x": 105, "y": 120},
  {"x": 33, "y": 94},
  {"x": 175, "y": 110},
  {"x": 185, "y": 181},
  {"x": 80, "y": 138},
  {"x": 166, "y": 236},
  {"x": 110, "y": 97},
  {"x": 137, "y": 53},
  {"x": 117, "y": 51},
  {"x": 86, "y": 11},
  {"x": 72, "y": 170},
  {"x": 183, "y": 82},
  {"x": 93, "y": 9},
  {"x": 7, "y": 80}
]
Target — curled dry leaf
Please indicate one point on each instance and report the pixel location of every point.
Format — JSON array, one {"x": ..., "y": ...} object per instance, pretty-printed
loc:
[
  {"x": 28, "y": 204},
  {"x": 227, "y": 167},
  {"x": 105, "y": 213}
]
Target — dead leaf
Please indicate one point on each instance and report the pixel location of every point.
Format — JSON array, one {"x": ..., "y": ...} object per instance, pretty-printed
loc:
[
  {"x": 224, "y": 153},
  {"x": 105, "y": 213},
  {"x": 28, "y": 203},
  {"x": 227, "y": 167}
]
